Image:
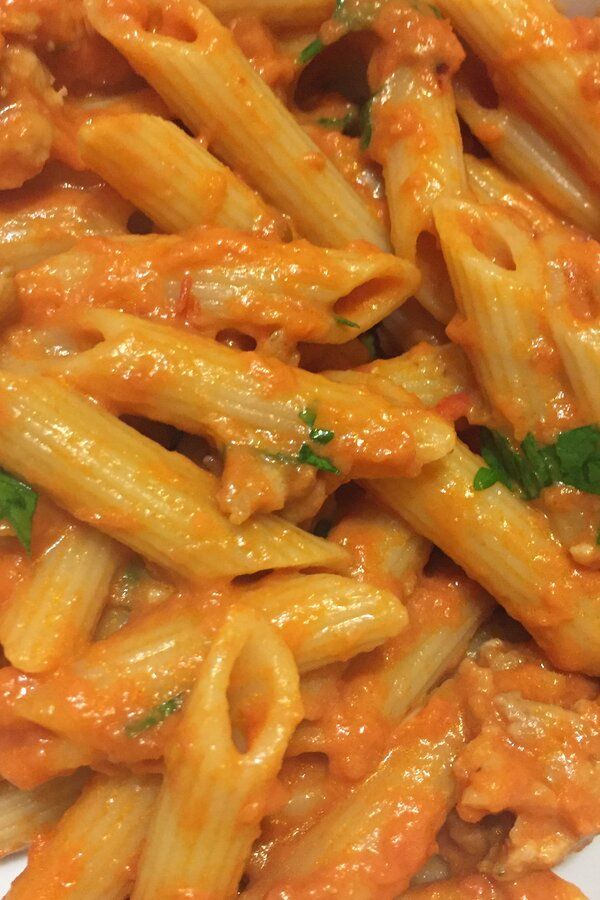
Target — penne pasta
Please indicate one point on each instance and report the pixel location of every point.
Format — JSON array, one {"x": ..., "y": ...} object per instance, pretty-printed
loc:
[
  {"x": 277, "y": 13},
  {"x": 54, "y": 610},
  {"x": 97, "y": 841},
  {"x": 25, "y": 814},
  {"x": 214, "y": 280},
  {"x": 201, "y": 379},
  {"x": 508, "y": 548},
  {"x": 52, "y": 215},
  {"x": 323, "y": 618},
  {"x": 523, "y": 151},
  {"x": 169, "y": 176},
  {"x": 347, "y": 847},
  {"x": 207, "y": 815},
  {"x": 541, "y": 62},
  {"x": 444, "y": 610},
  {"x": 498, "y": 273},
  {"x": 416, "y": 138},
  {"x": 69, "y": 448},
  {"x": 205, "y": 80}
]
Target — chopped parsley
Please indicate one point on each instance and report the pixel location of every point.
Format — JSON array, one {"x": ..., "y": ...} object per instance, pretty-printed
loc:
[
  {"x": 339, "y": 123},
  {"x": 156, "y": 715},
  {"x": 308, "y": 457},
  {"x": 319, "y": 435},
  {"x": 574, "y": 460},
  {"x": 348, "y": 322},
  {"x": 17, "y": 505},
  {"x": 310, "y": 51}
]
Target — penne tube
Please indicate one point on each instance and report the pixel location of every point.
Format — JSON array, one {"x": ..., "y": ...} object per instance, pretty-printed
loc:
[
  {"x": 553, "y": 82},
  {"x": 329, "y": 618},
  {"x": 508, "y": 548},
  {"x": 445, "y": 610},
  {"x": 383, "y": 830},
  {"x": 248, "y": 683},
  {"x": 498, "y": 274},
  {"x": 31, "y": 756},
  {"x": 169, "y": 175},
  {"x": 243, "y": 398},
  {"x": 97, "y": 842},
  {"x": 54, "y": 610},
  {"x": 416, "y": 138},
  {"x": 155, "y": 502},
  {"x": 215, "y": 280},
  {"x": 194, "y": 64},
  {"x": 281, "y": 14},
  {"x": 437, "y": 375},
  {"x": 489, "y": 184},
  {"x": 24, "y": 814},
  {"x": 522, "y": 150},
  {"x": 50, "y": 215},
  {"x": 323, "y": 618},
  {"x": 578, "y": 341}
]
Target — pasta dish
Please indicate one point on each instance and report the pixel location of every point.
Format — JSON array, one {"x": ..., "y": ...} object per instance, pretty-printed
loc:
[{"x": 299, "y": 447}]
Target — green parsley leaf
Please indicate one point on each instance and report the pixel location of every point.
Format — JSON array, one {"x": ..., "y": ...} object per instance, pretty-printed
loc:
[
  {"x": 574, "y": 459},
  {"x": 436, "y": 11},
  {"x": 341, "y": 123},
  {"x": 342, "y": 321},
  {"x": 156, "y": 715},
  {"x": 308, "y": 416},
  {"x": 485, "y": 478},
  {"x": 310, "y": 51},
  {"x": 366, "y": 125},
  {"x": 17, "y": 505},
  {"x": 578, "y": 453},
  {"x": 310, "y": 458}
]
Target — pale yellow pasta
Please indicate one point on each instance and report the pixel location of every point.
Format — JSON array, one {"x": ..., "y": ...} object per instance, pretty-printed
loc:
[
  {"x": 208, "y": 83},
  {"x": 170, "y": 176},
  {"x": 212, "y": 798},
  {"x": 48, "y": 220},
  {"x": 243, "y": 398},
  {"x": 156, "y": 502},
  {"x": 326, "y": 618},
  {"x": 578, "y": 341},
  {"x": 498, "y": 273},
  {"x": 364, "y": 839},
  {"x": 421, "y": 165},
  {"x": 259, "y": 286},
  {"x": 489, "y": 184},
  {"x": 285, "y": 14},
  {"x": 24, "y": 814},
  {"x": 538, "y": 60},
  {"x": 54, "y": 610},
  {"x": 322, "y": 618},
  {"x": 98, "y": 841},
  {"x": 508, "y": 548},
  {"x": 435, "y": 374},
  {"x": 522, "y": 149}
]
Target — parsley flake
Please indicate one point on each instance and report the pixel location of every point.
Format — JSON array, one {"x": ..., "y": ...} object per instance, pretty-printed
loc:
[
  {"x": 310, "y": 458},
  {"x": 310, "y": 51},
  {"x": 17, "y": 505},
  {"x": 574, "y": 459},
  {"x": 348, "y": 322},
  {"x": 338, "y": 123},
  {"x": 156, "y": 715}
]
